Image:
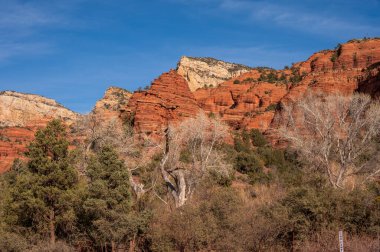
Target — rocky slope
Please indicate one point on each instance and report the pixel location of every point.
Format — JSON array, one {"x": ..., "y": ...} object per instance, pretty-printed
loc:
[
  {"x": 20, "y": 116},
  {"x": 208, "y": 72}
]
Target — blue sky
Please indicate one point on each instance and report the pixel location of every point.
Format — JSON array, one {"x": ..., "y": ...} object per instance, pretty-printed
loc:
[{"x": 72, "y": 50}]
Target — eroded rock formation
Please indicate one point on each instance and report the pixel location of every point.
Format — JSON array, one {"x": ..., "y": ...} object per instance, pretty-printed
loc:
[{"x": 168, "y": 100}]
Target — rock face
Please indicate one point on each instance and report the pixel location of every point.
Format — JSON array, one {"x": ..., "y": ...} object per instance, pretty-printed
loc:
[
  {"x": 342, "y": 70},
  {"x": 167, "y": 101},
  {"x": 369, "y": 82},
  {"x": 20, "y": 117},
  {"x": 207, "y": 72},
  {"x": 248, "y": 101},
  {"x": 114, "y": 100},
  {"x": 19, "y": 110}
]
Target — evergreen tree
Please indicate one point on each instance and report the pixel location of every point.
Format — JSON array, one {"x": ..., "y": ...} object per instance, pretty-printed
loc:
[
  {"x": 41, "y": 195},
  {"x": 109, "y": 202}
]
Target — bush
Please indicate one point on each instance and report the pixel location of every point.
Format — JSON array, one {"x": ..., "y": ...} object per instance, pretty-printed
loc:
[
  {"x": 257, "y": 138},
  {"x": 236, "y": 82},
  {"x": 271, "y": 107},
  {"x": 248, "y": 162},
  {"x": 272, "y": 157},
  {"x": 310, "y": 209}
]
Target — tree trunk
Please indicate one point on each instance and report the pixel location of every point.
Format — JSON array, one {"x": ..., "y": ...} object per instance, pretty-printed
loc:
[
  {"x": 132, "y": 244},
  {"x": 181, "y": 187},
  {"x": 52, "y": 227},
  {"x": 113, "y": 246}
]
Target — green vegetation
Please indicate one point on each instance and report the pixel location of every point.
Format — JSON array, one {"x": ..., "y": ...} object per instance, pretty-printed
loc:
[
  {"x": 42, "y": 194},
  {"x": 270, "y": 77},
  {"x": 354, "y": 60},
  {"x": 337, "y": 52},
  {"x": 271, "y": 107},
  {"x": 108, "y": 202},
  {"x": 249, "y": 80},
  {"x": 295, "y": 77}
]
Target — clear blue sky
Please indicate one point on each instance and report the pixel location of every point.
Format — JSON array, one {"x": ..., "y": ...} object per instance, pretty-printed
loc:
[{"x": 72, "y": 50}]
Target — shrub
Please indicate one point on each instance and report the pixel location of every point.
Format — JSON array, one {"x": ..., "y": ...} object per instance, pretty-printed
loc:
[
  {"x": 272, "y": 157},
  {"x": 236, "y": 82},
  {"x": 257, "y": 138},
  {"x": 333, "y": 57},
  {"x": 248, "y": 162},
  {"x": 271, "y": 107}
]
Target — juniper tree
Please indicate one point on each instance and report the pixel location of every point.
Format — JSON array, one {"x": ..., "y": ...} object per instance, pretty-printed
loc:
[
  {"x": 109, "y": 202},
  {"x": 42, "y": 194}
]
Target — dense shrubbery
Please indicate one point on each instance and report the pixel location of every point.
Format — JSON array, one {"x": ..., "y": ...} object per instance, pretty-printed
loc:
[{"x": 282, "y": 207}]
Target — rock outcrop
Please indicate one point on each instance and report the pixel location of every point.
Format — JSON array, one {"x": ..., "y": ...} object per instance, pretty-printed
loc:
[
  {"x": 250, "y": 100},
  {"x": 113, "y": 101},
  {"x": 208, "y": 72},
  {"x": 247, "y": 101},
  {"x": 342, "y": 70},
  {"x": 20, "y": 117},
  {"x": 20, "y": 110},
  {"x": 167, "y": 101}
]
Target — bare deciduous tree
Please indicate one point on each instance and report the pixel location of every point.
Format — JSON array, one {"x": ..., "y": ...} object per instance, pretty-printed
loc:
[
  {"x": 191, "y": 152},
  {"x": 336, "y": 133}
]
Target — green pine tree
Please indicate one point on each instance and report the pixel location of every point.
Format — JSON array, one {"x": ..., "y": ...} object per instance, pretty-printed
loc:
[
  {"x": 109, "y": 202},
  {"x": 41, "y": 195}
]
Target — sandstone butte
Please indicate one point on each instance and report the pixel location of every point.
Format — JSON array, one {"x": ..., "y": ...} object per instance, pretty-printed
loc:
[{"x": 243, "y": 97}]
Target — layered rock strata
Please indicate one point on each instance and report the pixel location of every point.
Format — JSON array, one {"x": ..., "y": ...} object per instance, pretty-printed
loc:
[{"x": 167, "y": 101}]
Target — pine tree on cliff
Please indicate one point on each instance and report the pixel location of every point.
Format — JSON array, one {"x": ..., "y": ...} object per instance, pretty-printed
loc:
[
  {"x": 109, "y": 201},
  {"x": 41, "y": 200}
]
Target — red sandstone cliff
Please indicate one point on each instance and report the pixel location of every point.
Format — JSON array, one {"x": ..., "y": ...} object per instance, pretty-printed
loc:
[
  {"x": 168, "y": 100},
  {"x": 250, "y": 100}
]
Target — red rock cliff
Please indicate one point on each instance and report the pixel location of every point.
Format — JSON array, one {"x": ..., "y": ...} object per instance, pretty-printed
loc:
[{"x": 168, "y": 100}]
